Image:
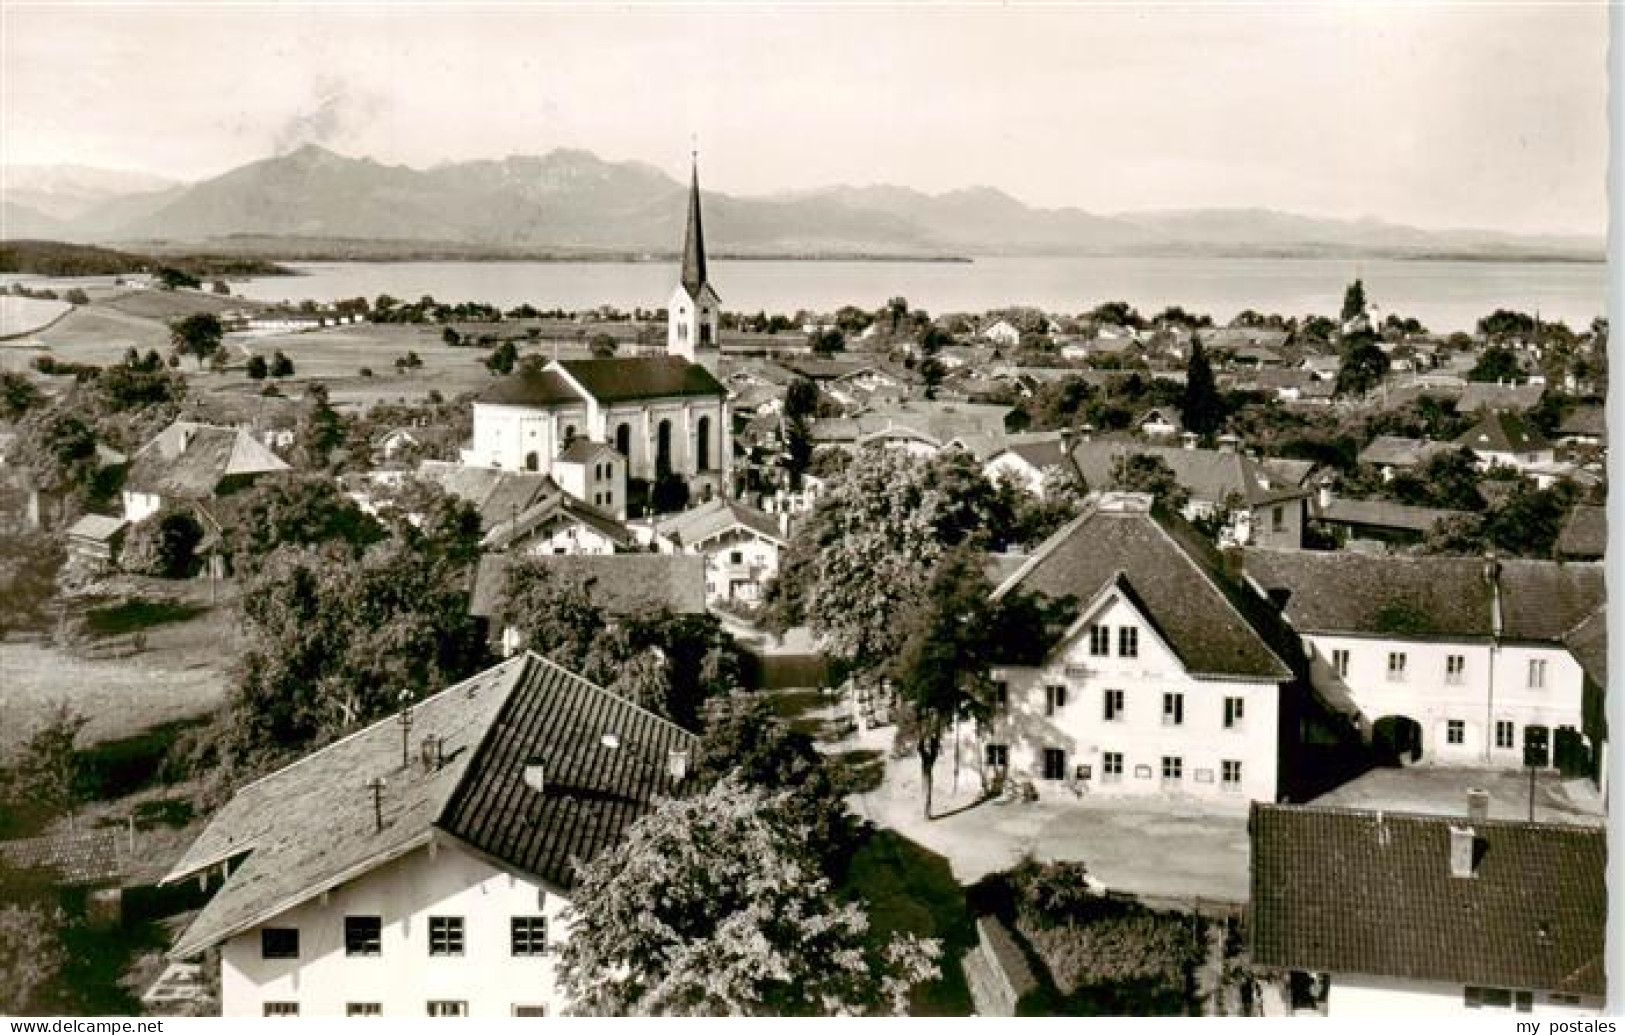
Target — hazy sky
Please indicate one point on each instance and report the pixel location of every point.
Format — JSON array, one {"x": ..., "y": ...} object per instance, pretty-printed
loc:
[{"x": 1438, "y": 116}]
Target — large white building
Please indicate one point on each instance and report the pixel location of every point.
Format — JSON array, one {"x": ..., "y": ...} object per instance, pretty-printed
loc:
[
  {"x": 664, "y": 415},
  {"x": 741, "y": 546},
  {"x": 1445, "y": 660},
  {"x": 431, "y": 879},
  {"x": 1375, "y": 914},
  {"x": 1170, "y": 680}
]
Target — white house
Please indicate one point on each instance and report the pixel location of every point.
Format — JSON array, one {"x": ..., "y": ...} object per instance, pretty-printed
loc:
[
  {"x": 1165, "y": 683},
  {"x": 1023, "y": 460},
  {"x": 190, "y": 463},
  {"x": 741, "y": 546},
  {"x": 1444, "y": 660},
  {"x": 1502, "y": 438},
  {"x": 560, "y": 525},
  {"x": 593, "y": 473},
  {"x": 1002, "y": 332},
  {"x": 1376, "y": 914},
  {"x": 370, "y": 880}
]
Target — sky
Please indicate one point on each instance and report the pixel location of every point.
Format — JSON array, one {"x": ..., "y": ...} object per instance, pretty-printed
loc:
[{"x": 1433, "y": 115}]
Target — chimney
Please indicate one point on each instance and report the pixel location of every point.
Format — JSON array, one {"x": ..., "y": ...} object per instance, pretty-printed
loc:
[
  {"x": 1463, "y": 852},
  {"x": 535, "y": 775},
  {"x": 784, "y": 523},
  {"x": 1228, "y": 443},
  {"x": 1492, "y": 575},
  {"x": 1478, "y": 805},
  {"x": 677, "y": 764},
  {"x": 1324, "y": 492}
]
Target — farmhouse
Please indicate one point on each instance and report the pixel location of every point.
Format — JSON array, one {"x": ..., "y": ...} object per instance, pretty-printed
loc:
[
  {"x": 741, "y": 546},
  {"x": 189, "y": 463}
]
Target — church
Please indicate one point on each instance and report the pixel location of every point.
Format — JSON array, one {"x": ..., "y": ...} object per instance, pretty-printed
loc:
[{"x": 649, "y": 417}]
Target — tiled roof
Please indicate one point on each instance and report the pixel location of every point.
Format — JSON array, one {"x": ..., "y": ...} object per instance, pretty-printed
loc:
[
  {"x": 96, "y": 527},
  {"x": 1591, "y": 421},
  {"x": 1215, "y": 626},
  {"x": 1502, "y": 432},
  {"x": 1588, "y": 642},
  {"x": 563, "y": 507},
  {"x": 1585, "y": 533},
  {"x": 498, "y": 495},
  {"x": 1478, "y": 395},
  {"x": 92, "y": 859},
  {"x": 1380, "y": 514},
  {"x": 1210, "y": 475},
  {"x": 583, "y": 450},
  {"x": 310, "y": 826},
  {"x": 1350, "y": 892},
  {"x": 654, "y": 377},
  {"x": 189, "y": 461},
  {"x": 621, "y": 583},
  {"x": 1287, "y": 471},
  {"x": 1394, "y": 451},
  {"x": 715, "y": 517},
  {"x": 1446, "y": 597},
  {"x": 530, "y": 387},
  {"x": 591, "y": 791}
]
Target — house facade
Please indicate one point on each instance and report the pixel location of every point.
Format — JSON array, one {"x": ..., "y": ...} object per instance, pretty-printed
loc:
[
  {"x": 358, "y": 882},
  {"x": 189, "y": 463},
  {"x": 1164, "y": 684},
  {"x": 741, "y": 546}
]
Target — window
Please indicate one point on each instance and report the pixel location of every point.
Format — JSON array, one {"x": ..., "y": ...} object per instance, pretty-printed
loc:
[
  {"x": 998, "y": 755},
  {"x": 529, "y": 1011},
  {"x": 1396, "y": 666},
  {"x": 1230, "y": 774},
  {"x": 1054, "y": 764},
  {"x": 1455, "y": 732},
  {"x": 448, "y": 1008},
  {"x": 1054, "y": 699},
  {"x": 1001, "y": 694},
  {"x": 736, "y": 557},
  {"x": 363, "y": 1009},
  {"x": 1100, "y": 641},
  {"x": 1173, "y": 768},
  {"x": 282, "y": 1009},
  {"x": 1454, "y": 666},
  {"x": 1114, "y": 705},
  {"x": 1278, "y": 519},
  {"x": 1111, "y": 767},
  {"x": 529, "y": 935},
  {"x": 1234, "y": 710},
  {"x": 279, "y": 943},
  {"x": 363, "y": 935},
  {"x": 445, "y": 937},
  {"x": 1505, "y": 733},
  {"x": 1173, "y": 709},
  {"x": 1128, "y": 642},
  {"x": 1340, "y": 663},
  {"x": 1537, "y": 674}
]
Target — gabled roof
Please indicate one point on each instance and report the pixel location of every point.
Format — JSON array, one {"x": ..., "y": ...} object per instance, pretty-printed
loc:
[
  {"x": 583, "y": 450},
  {"x": 189, "y": 461},
  {"x": 1215, "y": 626},
  {"x": 1380, "y": 514},
  {"x": 621, "y": 583},
  {"x": 530, "y": 387},
  {"x": 1590, "y": 421},
  {"x": 1502, "y": 432},
  {"x": 1210, "y": 475},
  {"x": 1039, "y": 451},
  {"x": 498, "y": 495},
  {"x": 1585, "y": 533},
  {"x": 96, "y": 527},
  {"x": 310, "y": 826},
  {"x": 1588, "y": 642},
  {"x": 716, "y": 517},
  {"x": 1395, "y": 451},
  {"x": 1350, "y": 892},
  {"x": 652, "y": 377},
  {"x": 1477, "y": 395},
  {"x": 561, "y": 506}
]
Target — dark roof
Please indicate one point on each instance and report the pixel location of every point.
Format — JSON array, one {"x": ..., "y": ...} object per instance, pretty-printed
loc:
[
  {"x": 1591, "y": 421},
  {"x": 582, "y": 450},
  {"x": 1588, "y": 642},
  {"x": 718, "y": 516},
  {"x": 1477, "y": 395},
  {"x": 561, "y": 506},
  {"x": 1382, "y": 514},
  {"x": 1352, "y": 892},
  {"x": 1585, "y": 533},
  {"x": 1215, "y": 626},
  {"x": 621, "y": 380},
  {"x": 189, "y": 461},
  {"x": 1396, "y": 451},
  {"x": 1445, "y": 597},
  {"x": 693, "y": 276},
  {"x": 310, "y": 826},
  {"x": 529, "y": 387},
  {"x": 1502, "y": 432},
  {"x": 498, "y": 495},
  {"x": 1210, "y": 475},
  {"x": 591, "y": 792},
  {"x": 94, "y": 858},
  {"x": 621, "y": 583}
]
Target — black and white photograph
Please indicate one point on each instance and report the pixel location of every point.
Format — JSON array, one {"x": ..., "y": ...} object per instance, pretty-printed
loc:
[{"x": 806, "y": 509}]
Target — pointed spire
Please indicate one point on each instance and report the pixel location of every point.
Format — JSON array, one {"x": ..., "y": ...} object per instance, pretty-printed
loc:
[{"x": 693, "y": 278}]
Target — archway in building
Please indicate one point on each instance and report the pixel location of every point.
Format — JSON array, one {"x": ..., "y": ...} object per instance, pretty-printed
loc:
[
  {"x": 663, "y": 449},
  {"x": 1397, "y": 740},
  {"x": 704, "y": 451},
  {"x": 532, "y": 462},
  {"x": 623, "y": 440}
]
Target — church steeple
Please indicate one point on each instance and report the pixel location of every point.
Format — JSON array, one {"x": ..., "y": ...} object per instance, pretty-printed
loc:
[{"x": 693, "y": 277}]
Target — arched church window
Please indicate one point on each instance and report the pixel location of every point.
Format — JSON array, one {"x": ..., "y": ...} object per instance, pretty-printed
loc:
[
  {"x": 704, "y": 461},
  {"x": 663, "y": 449}
]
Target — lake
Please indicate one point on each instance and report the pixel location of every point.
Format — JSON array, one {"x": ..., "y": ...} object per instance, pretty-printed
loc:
[{"x": 1444, "y": 295}]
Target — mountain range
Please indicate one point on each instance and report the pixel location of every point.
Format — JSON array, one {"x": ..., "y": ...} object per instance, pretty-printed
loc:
[{"x": 570, "y": 202}]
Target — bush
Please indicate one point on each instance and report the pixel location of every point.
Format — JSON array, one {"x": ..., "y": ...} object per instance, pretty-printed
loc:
[
  {"x": 164, "y": 545},
  {"x": 366, "y": 371}
]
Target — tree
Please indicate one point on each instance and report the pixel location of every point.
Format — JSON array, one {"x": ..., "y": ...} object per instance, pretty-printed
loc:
[
  {"x": 220, "y": 287},
  {"x": 1149, "y": 473},
  {"x": 197, "y": 335},
  {"x": 29, "y": 562},
  {"x": 31, "y": 958},
  {"x": 258, "y": 369},
  {"x": 502, "y": 358},
  {"x": 58, "y": 448},
  {"x": 293, "y": 509},
  {"x": 941, "y": 673},
  {"x": 1354, "y": 302},
  {"x": 1496, "y": 364},
  {"x": 451, "y": 337},
  {"x": 801, "y": 398},
  {"x": 601, "y": 345},
  {"x": 798, "y": 448},
  {"x": 76, "y": 296},
  {"x": 48, "y": 773},
  {"x": 281, "y": 365},
  {"x": 713, "y": 905},
  {"x": 171, "y": 278},
  {"x": 827, "y": 342},
  {"x": 164, "y": 545},
  {"x": 18, "y": 395},
  {"x": 1202, "y": 408},
  {"x": 1364, "y": 365},
  {"x": 320, "y": 431}
]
